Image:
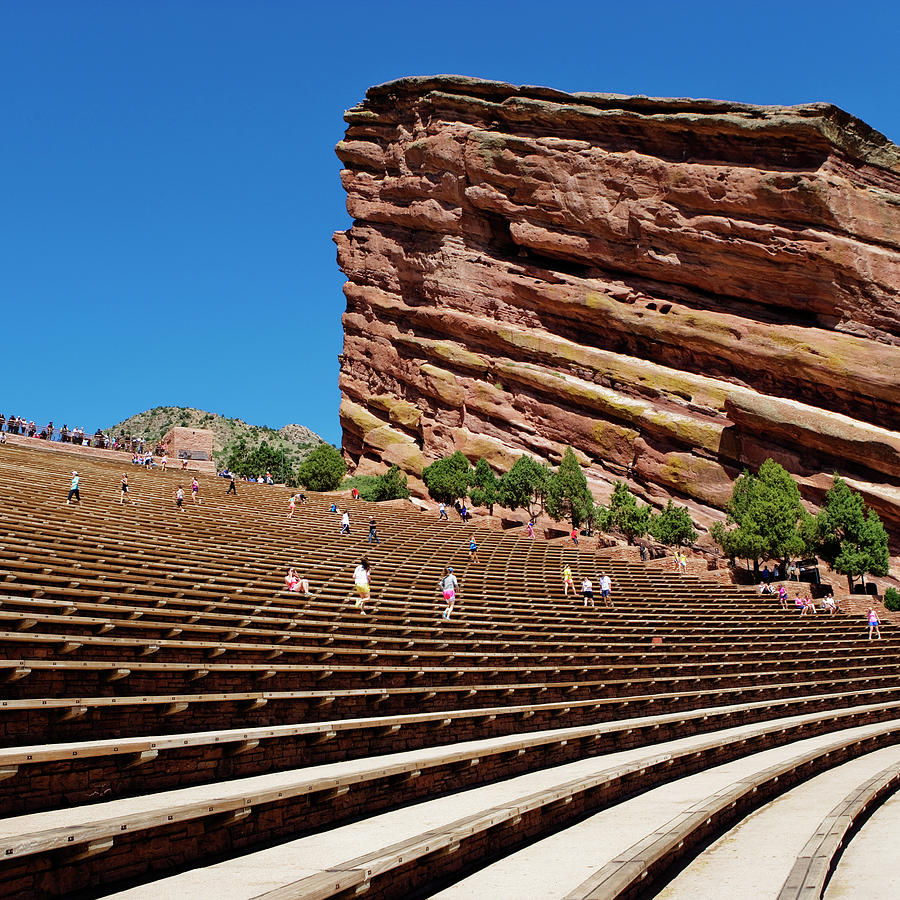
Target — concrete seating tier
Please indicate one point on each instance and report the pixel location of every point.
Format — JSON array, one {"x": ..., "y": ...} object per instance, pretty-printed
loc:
[{"x": 164, "y": 702}]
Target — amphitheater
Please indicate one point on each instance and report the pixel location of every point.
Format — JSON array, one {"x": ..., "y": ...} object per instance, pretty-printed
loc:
[{"x": 175, "y": 724}]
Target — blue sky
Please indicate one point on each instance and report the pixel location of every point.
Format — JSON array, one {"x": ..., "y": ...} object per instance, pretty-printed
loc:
[{"x": 169, "y": 186}]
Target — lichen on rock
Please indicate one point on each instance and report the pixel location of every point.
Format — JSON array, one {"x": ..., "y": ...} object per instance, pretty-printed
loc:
[{"x": 673, "y": 287}]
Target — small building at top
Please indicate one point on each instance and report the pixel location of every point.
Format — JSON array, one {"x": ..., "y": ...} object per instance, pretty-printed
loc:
[{"x": 191, "y": 448}]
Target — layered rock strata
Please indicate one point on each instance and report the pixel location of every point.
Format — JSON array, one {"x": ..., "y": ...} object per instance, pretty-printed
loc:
[{"x": 675, "y": 288}]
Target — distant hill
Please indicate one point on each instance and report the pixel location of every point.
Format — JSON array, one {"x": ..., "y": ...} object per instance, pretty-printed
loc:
[{"x": 296, "y": 440}]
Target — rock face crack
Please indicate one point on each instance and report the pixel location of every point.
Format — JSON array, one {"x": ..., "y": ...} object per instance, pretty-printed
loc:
[{"x": 676, "y": 288}]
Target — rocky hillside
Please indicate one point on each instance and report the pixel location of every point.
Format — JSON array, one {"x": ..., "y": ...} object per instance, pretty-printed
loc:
[
  {"x": 295, "y": 440},
  {"x": 676, "y": 288}
]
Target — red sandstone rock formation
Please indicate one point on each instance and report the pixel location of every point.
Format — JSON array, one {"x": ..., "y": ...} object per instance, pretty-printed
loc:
[{"x": 676, "y": 288}]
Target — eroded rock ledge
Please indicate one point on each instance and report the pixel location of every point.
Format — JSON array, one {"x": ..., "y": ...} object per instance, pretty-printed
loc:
[{"x": 677, "y": 288}]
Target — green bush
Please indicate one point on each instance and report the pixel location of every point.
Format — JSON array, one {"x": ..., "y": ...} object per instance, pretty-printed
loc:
[
  {"x": 447, "y": 478},
  {"x": 255, "y": 461},
  {"x": 485, "y": 486},
  {"x": 892, "y": 599},
  {"x": 392, "y": 485},
  {"x": 673, "y": 526},
  {"x": 365, "y": 484},
  {"x": 323, "y": 469},
  {"x": 625, "y": 515},
  {"x": 854, "y": 541},
  {"x": 524, "y": 486}
]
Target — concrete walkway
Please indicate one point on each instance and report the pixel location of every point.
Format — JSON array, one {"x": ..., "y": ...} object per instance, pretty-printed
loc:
[
  {"x": 248, "y": 876},
  {"x": 870, "y": 866}
]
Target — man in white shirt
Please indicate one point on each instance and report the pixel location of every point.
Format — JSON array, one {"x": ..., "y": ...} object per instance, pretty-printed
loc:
[
  {"x": 587, "y": 591},
  {"x": 606, "y": 588},
  {"x": 345, "y": 522}
]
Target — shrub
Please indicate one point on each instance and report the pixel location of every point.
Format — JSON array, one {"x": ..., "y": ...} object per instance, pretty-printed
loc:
[
  {"x": 390, "y": 486},
  {"x": 323, "y": 469},
  {"x": 485, "y": 486},
  {"x": 626, "y": 515},
  {"x": 673, "y": 526},
  {"x": 447, "y": 478},
  {"x": 255, "y": 461},
  {"x": 524, "y": 486},
  {"x": 892, "y": 599},
  {"x": 365, "y": 484}
]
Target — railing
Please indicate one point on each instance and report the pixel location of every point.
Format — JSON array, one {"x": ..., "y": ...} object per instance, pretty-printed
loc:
[{"x": 123, "y": 443}]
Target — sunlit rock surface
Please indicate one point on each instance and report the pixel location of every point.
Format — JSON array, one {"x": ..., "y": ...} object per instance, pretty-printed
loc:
[{"x": 676, "y": 288}]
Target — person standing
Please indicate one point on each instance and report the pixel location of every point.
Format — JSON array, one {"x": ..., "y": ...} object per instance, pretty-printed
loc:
[
  {"x": 450, "y": 588},
  {"x": 361, "y": 583},
  {"x": 179, "y": 499},
  {"x": 574, "y": 535},
  {"x": 74, "y": 493},
  {"x": 587, "y": 591},
  {"x": 473, "y": 550},
  {"x": 195, "y": 491},
  {"x": 529, "y": 529},
  {"x": 345, "y": 522},
  {"x": 568, "y": 581},
  {"x": 124, "y": 496},
  {"x": 373, "y": 532},
  {"x": 292, "y": 503},
  {"x": 874, "y": 622},
  {"x": 443, "y": 512},
  {"x": 606, "y": 589},
  {"x": 232, "y": 487}
]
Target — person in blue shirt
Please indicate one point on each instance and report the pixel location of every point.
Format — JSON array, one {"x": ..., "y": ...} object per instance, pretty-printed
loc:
[
  {"x": 473, "y": 550},
  {"x": 73, "y": 490}
]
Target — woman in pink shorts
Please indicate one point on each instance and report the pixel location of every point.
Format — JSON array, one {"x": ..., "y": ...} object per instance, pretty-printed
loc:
[{"x": 449, "y": 585}]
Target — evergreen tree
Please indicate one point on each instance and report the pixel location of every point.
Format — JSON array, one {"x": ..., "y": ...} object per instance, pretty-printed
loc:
[
  {"x": 626, "y": 515},
  {"x": 770, "y": 521},
  {"x": 568, "y": 496},
  {"x": 447, "y": 478},
  {"x": 392, "y": 485},
  {"x": 524, "y": 486},
  {"x": 854, "y": 542},
  {"x": 485, "y": 486},
  {"x": 251, "y": 462},
  {"x": 673, "y": 526},
  {"x": 601, "y": 517},
  {"x": 323, "y": 469}
]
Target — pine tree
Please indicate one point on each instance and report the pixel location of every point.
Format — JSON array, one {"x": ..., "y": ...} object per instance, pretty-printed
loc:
[
  {"x": 770, "y": 521},
  {"x": 854, "y": 542},
  {"x": 626, "y": 515},
  {"x": 447, "y": 478},
  {"x": 568, "y": 496},
  {"x": 485, "y": 486},
  {"x": 524, "y": 486},
  {"x": 392, "y": 485},
  {"x": 323, "y": 469},
  {"x": 673, "y": 526}
]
